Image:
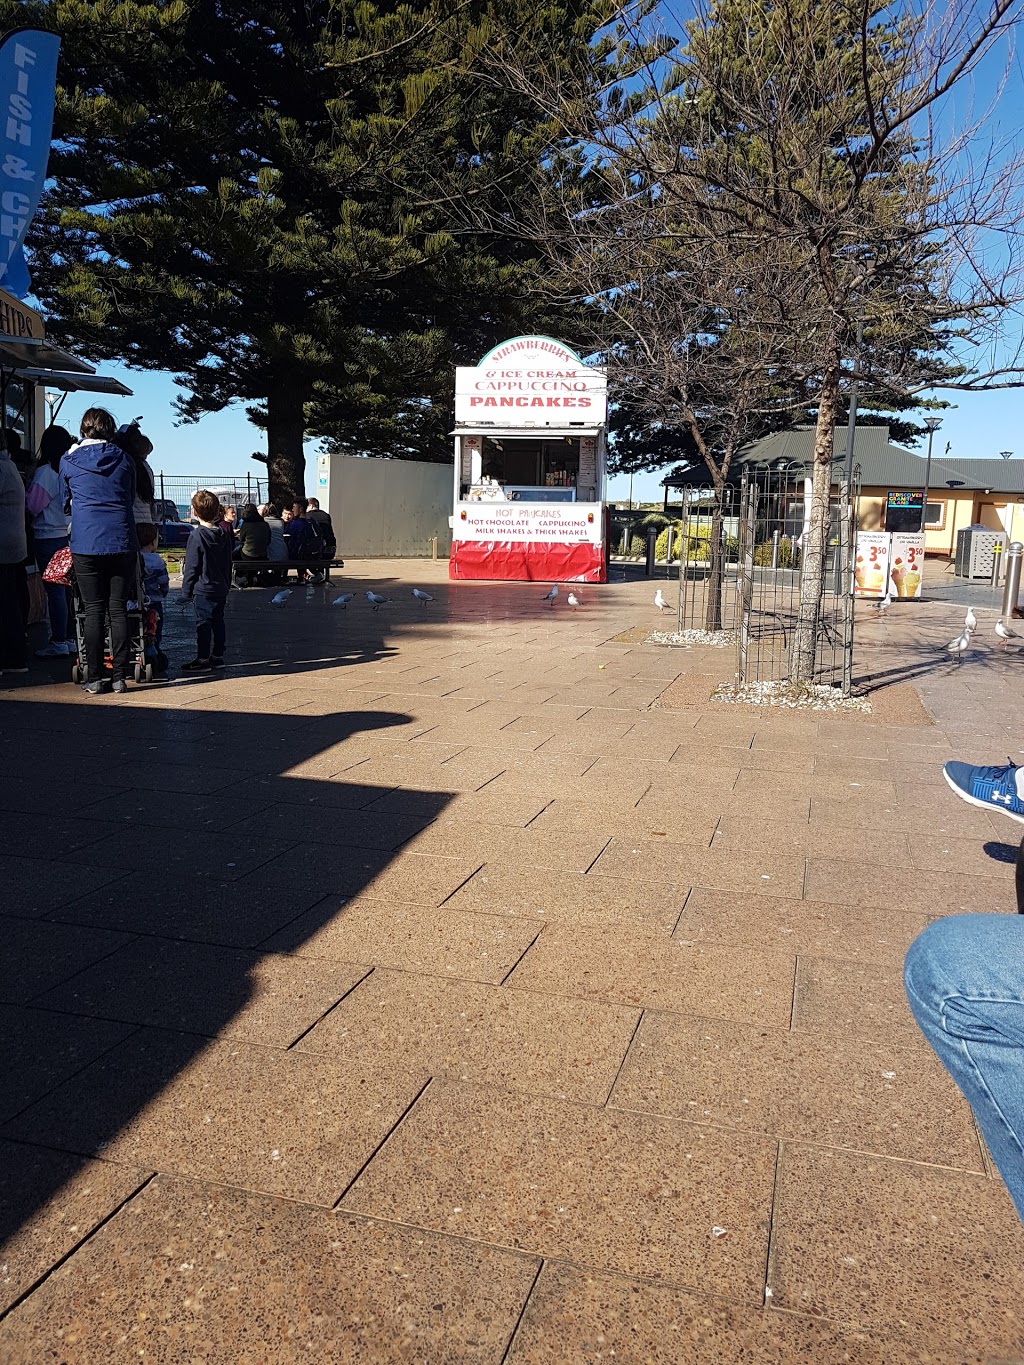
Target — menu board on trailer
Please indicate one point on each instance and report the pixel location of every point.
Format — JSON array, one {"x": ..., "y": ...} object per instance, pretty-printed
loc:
[
  {"x": 586, "y": 480},
  {"x": 529, "y": 523},
  {"x": 906, "y": 565},
  {"x": 871, "y": 570}
]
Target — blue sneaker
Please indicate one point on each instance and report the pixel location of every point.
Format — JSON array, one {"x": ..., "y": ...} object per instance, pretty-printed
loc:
[{"x": 991, "y": 788}]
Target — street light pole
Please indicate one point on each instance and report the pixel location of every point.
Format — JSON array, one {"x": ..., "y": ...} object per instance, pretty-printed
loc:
[{"x": 933, "y": 424}]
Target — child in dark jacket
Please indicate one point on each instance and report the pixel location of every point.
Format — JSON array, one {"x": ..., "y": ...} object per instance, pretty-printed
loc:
[{"x": 206, "y": 580}]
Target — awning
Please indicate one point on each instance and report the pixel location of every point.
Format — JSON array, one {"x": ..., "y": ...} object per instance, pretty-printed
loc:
[
  {"x": 29, "y": 352},
  {"x": 584, "y": 429},
  {"x": 76, "y": 383}
]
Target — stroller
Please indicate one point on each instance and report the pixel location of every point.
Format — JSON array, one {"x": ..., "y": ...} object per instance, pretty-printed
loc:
[{"x": 141, "y": 634}]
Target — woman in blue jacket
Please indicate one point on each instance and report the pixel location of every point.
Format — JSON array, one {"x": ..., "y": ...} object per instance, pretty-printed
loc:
[{"x": 98, "y": 480}]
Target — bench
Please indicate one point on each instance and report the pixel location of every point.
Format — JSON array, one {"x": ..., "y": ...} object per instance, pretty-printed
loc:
[{"x": 251, "y": 568}]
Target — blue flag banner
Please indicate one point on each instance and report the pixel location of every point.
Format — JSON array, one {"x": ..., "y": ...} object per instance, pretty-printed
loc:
[{"x": 28, "y": 82}]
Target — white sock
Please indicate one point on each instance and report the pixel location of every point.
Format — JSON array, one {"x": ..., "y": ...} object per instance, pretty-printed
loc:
[{"x": 1019, "y": 779}]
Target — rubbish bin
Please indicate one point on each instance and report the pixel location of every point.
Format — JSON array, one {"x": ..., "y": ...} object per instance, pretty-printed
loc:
[{"x": 652, "y": 540}]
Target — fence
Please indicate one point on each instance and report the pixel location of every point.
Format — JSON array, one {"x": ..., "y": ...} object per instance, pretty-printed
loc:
[
  {"x": 706, "y": 546},
  {"x": 177, "y": 489},
  {"x": 775, "y": 512}
]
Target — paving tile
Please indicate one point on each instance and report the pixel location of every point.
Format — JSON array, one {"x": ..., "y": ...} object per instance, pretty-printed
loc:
[
  {"x": 60, "y": 836},
  {"x": 312, "y": 823},
  {"x": 521, "y": 1041},
  {"x": 532, "y": 848},
  {"x": 839, "y": 1091},
  {"x": 235, "y": 913},
  {"x": 777, "y": 760},
  {"x": 239, "y": 1277},
  {"x": 504, "y": 887},
  {"x": 416, "y": 878},
  {"x": 816, "y": 928},
  {"x": 203, "y": 856},
  {"x": 777, "y": 874},
  {"x": 186, "y": 778},
  {"x": 147, "y": 810},
  {"x": 967, "y": 857},
  {"x": 579, "y": 1315},
  {"x": 866, "y": 1000},
  {"x": 50, "y": 1203},
  {"x": 612, "y": 963},
  {"x": 35, "y": 955},
  {"x": 613, "y": 1191},
  {"x": 874, "y": 1243},
  {"x": 811, "y": 840},
  {"x": 694, "y": 826},
  {"x": 340, "y": 868},
  {"x": 285, "y": 1123},
  {"x": 411, "y": 938},
  {"x": 199, "y": 988},
  {"x": 909, "y": 891},
  {"x": 678, "y": 804},
  {"x": 489, "y": 807},
  {"x": 960, "y": 820},
  {"x": 41, "y": 1049}
]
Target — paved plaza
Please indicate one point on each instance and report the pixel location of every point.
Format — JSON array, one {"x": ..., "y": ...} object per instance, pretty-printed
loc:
[{"x": 460, "y": 984}]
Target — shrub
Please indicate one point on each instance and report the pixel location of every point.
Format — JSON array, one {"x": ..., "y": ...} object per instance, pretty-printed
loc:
[{"x": 763, "y": 553}]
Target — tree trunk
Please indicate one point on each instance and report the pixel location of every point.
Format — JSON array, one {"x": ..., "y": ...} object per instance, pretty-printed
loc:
[
  {"x": 716, "y": 566},
  {"x": 814, "y": 559},
  {"x": 286, "y": 460}
]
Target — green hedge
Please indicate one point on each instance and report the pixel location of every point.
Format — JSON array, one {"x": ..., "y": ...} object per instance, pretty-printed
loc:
[
  {"x": 698, "y": 544},
  {"x": 763, "y": 553}
]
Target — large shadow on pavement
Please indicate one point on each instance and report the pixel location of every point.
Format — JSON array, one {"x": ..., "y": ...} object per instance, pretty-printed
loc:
[{"x": 154, "y": 863}]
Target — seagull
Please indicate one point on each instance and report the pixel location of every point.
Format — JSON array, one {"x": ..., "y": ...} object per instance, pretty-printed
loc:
[
  {"x": 1005, "y": 633},
  {"x": 959, "y": 647},
  {"x": 421, "y": 596},
  {"x": 970, "y": 620},
  {"x": 883, "y": 606},
  {"x": 280, "y": 598},
  {"x": 376, "y": 599},
  {"x": 550, "y": 597},
  {"x": 660, "y": 602},
  {"x": 343, "y": 600},
  {"x": 574, "y": 601}
]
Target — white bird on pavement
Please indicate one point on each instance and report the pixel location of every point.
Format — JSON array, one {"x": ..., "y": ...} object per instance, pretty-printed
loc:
[
  {"x": 343, "y": 600},
  {"x": 550, "y": 596},
  {"x": 421, "y": 596},
  {"x": 970, "y": 620},
  {"x": 1005, "y": 633},
  {"x": 574, "y": 601},
  {"x": 280, "y": 598},
  {"x": 883, "y": 606},
  {"x": 376, "y": 599},
  {"x": 959, "y": 647},
  {"x": 660, "y": 602}
]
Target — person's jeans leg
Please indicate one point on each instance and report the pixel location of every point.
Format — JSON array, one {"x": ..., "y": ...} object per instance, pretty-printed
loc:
[
  {"x": 123, "y": 584},
  {"x": 93, "y": 586},
  {"x": 964, "y": 978},
  {"x": 219, "y": 632},
  {"x": 204, "y": 625},
  {"x": 13, "y": 651},
  {"x": 56, "y": 593}
]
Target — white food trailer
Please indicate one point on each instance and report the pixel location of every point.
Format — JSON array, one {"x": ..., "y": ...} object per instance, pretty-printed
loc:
[{"x": 530, "y": 465}]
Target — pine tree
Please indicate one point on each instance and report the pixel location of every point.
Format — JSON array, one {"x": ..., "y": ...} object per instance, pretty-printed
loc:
[{"x": 266, "y": 198}]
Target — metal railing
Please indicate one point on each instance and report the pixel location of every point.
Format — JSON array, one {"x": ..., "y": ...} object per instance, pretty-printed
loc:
[{"x": 177, "y": 489}]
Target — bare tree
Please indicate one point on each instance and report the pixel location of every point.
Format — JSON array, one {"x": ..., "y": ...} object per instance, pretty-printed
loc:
[{"x": 815, "y": 140}]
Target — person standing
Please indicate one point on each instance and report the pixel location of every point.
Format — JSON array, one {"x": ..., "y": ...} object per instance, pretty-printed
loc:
[
  {"x": 13, "y": 549},
  {"x": 50, "y": 534},
  {"x": 98, "y": 481},
  {"x": 206, "y": 581}
]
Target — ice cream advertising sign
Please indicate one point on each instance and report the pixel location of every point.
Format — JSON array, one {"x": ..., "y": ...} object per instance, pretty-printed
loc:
[
  {"x": 528, "y": 523},
  {"x": 906, "y": 564},
  {"x": 871, "y": 567},
  {"x": 531, "y": 382}
]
